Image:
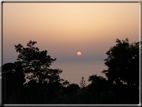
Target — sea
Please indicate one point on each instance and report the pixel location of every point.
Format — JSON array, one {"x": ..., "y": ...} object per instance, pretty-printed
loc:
[{"x": 73, "y": 71}]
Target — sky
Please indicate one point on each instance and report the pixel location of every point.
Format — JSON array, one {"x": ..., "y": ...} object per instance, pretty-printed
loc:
[{"x": 63, "y": 29}]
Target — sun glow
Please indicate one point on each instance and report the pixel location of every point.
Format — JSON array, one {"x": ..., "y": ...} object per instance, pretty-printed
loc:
[{"x": 78, "y": 53}]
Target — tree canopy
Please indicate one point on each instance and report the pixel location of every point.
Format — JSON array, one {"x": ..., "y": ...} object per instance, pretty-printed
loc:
[
  {"x": 123, "y": 63},
  {"x": 32, "y": 65},
  {"x": 37, "y": 62}
]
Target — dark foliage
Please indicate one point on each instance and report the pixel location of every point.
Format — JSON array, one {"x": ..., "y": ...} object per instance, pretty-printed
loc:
[
  {"x": 30, "y": 80},
  {"x": 123, "y": 59},
  {"x": 123, "y": 71},
  {"x": 12, "y": 79},
  {"x": 36, "y": 64}
]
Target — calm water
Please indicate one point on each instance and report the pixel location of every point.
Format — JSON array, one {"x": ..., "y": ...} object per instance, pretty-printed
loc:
[{"x": 73, "y": 71}]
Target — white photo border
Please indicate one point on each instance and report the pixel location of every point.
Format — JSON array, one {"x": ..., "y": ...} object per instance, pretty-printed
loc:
[{"x": 72, "y": 1}]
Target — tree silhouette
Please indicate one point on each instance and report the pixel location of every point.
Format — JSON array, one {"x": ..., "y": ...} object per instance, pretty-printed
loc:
[
  {"x": 46, "y": 87},
  {"x": 42, "y": 79},
  {"x": 123, "y": 70},
  {"x": 66, "y": 83},
  {"x": 82, "y": 83},
  {"x": 37, "y": 62},
  {"x": 98, "y": 83},
  {"x": 123, "y": 63}
]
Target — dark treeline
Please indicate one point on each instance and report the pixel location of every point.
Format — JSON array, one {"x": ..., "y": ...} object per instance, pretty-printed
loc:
[{"x": 30, "y": 80}]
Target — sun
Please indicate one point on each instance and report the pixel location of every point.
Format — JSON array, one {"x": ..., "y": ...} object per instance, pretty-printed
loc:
[{"x": 78, "y": 53}]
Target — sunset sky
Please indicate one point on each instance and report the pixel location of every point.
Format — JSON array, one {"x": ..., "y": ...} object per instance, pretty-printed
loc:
[{"x": 63, "y": 29}]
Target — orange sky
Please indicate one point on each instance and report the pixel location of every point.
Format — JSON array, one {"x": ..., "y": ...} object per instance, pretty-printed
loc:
[{"x": 63, "y": 29}]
